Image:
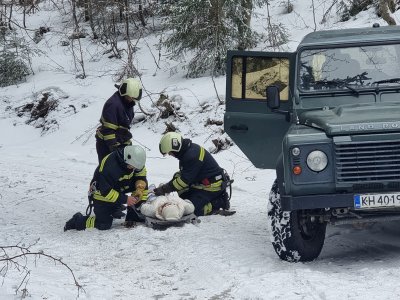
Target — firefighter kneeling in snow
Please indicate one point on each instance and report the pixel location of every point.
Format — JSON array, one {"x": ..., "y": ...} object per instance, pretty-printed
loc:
[
  {"x": 200, "y": 179},
  {"x": 120, "y": 172}
]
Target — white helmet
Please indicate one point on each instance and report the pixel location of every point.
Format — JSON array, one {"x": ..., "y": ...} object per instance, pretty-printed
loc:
[
  {"x": 170, "y": 142},
  {"x": 135, "y": 156},
  {"x": 131, "y": 87}
]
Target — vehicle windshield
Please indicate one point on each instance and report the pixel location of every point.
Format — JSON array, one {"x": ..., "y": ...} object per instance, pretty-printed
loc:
[{"x": 349, "y": 68}]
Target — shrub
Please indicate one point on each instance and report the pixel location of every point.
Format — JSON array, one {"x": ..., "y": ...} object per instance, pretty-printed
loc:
[
  {"x": 14, "y": 58},
  {"x": 12, "y": 69}
]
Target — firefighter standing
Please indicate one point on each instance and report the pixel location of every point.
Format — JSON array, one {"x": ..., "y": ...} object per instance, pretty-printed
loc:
[
  {"x": 120, "y": 172},
  {"x": 200, "y": 179},
  {"x": 116, "y": 118}
]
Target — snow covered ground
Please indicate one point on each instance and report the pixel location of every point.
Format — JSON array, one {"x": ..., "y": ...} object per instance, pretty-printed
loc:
[{"x": 44, "y": 180}]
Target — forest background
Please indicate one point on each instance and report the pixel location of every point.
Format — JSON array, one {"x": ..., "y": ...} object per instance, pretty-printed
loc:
[{"x": 59, "y": 61}]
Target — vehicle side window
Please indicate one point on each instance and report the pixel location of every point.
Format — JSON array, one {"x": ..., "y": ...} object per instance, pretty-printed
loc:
[{"x": 251, "y": 75}]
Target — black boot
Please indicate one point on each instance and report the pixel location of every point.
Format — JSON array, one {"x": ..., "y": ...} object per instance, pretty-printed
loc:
[
  {"x": 118, "y": 212},
  {"x": 226, "y": 204},
  {"x": 71, "y": 223},
  {"x": 222, "y": 202},
  {"x": 132, "y": 217},
  {"x": 223, "y": 212},
  {"x": 221, "y": 205}
]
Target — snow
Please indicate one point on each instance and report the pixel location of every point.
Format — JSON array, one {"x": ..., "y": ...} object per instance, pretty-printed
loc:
[{"x": 44, "y": 178}]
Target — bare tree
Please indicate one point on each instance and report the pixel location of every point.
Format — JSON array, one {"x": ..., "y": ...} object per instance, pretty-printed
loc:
[
  {"x": 78, "y": 58},
  {"x": 129, "y": 69},
  {"x": 276, "y": 33},
  {"x": 88, "y": 9},
  {"x": 327, "y": 12},
  {"x": 74, "y": 16},
  {"x": 141, "y": 14},
  {"x": 17, "y": 257},
  {"x": 313, "y": 10},
  {"x": 10, "y": 15},
  {"x": 29, "y": 6}
]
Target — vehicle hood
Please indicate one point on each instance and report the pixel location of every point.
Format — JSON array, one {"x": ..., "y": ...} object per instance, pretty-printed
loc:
[{"x": 352, "y": 119}]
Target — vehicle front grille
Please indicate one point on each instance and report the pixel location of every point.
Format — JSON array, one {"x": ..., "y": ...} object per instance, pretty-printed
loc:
[{"x": 366, "y": 163}]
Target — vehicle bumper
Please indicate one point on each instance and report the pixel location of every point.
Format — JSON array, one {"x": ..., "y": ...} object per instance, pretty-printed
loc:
[{"x": 290, "y": 203}]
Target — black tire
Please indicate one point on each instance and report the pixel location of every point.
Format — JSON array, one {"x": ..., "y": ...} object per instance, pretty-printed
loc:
[{"x": 293, "y": 236}]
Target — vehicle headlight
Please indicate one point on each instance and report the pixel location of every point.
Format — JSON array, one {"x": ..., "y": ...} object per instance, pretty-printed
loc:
[{"x": 317, "y": 160}]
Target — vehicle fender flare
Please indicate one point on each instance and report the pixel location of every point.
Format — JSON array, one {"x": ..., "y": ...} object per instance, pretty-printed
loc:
[{"x": 280, "y": 176}]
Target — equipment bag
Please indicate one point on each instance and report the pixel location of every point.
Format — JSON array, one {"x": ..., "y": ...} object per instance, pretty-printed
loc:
[
  {"x": 227, "y": 182},
  {"x": 91, "y": 191}
]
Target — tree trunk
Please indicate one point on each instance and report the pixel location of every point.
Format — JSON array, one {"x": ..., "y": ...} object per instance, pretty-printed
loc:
[
  {"x": 86, "y": 5},
  {"x": 126, "y": 8},
  {"x": 289, "y": 7},
  {"x": 384, "y": 8},
  {"x": 244, "y": 24},
  {"x": 10, "y": 16},
  {"x": 90, "y": 14},
  {"x": 24, "y": 15},
  {"x": 141, "y": 15},
  {"x": 74, "y": 17},
  {"x": 216, "y": 19},
  {"x": 121, "y": 9},
  {"x": 216, "y": 11},
  {"x": 1, "y": 13}
]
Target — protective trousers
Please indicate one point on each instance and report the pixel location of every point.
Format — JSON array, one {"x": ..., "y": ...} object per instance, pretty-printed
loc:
[
  {"x": 102, "y": 149},
  {"x": 203, "y": 201},
  {"x": 102, "y": 218}
]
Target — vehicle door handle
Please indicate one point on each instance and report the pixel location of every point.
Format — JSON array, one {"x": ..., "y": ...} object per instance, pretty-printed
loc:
[{"x": 240, "y": 127}]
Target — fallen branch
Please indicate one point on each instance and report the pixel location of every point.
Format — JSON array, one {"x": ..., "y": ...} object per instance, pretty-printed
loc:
[{"x": 23, "y": 253}]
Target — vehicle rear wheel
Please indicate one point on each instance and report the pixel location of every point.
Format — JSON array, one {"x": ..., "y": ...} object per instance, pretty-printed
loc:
[{"x": 295, "y": 236}]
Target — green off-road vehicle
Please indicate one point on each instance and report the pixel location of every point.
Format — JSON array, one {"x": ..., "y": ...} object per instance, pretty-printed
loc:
[{"x": 327, "y": 118}]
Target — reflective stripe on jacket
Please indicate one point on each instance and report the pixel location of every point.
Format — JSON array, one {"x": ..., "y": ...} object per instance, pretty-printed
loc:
[
  {"x": 112, "y": 179},
  {"x": 116, "y": 119},
  {"x": 196, "y": 164}
]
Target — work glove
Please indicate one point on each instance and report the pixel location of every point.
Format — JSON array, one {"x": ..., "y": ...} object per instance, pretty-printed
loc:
[
  {"x": 163, "y": 189},
  {"x": 140, "y": 186},
  {"x": 159, "y": 191}
]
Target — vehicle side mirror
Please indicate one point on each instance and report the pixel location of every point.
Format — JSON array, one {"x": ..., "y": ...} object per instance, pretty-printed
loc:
[{"x": 273, "y": 98}]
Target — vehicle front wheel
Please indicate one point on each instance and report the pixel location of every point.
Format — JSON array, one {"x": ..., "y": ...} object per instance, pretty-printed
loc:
[{"x": 295, "y": 235}]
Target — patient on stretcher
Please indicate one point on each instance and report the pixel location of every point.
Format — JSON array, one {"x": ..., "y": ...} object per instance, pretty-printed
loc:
[{"x": 167, "y": 208}]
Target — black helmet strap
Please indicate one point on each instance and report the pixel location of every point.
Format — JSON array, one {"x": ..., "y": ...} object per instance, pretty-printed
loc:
[{"x": 122, "y": 88}]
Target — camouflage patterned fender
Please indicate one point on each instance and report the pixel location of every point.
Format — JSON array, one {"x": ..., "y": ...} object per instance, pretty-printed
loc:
[{"x": 294, "y": 236}]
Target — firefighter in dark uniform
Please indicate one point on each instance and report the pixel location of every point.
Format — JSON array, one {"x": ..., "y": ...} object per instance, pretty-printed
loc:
[
  {"x": 200, "y": 179},
  {"x": 120, "y": 172},
  {"x": 116, "y": 118}
]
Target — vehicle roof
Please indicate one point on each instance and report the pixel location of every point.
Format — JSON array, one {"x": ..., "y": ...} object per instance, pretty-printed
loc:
[{"x": 351, "y": 36}]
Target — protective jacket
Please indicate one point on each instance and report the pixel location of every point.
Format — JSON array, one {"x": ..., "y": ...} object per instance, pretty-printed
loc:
[
  {"x": 116, "y": 119},
  {"x": 112, "y": 179},
  {"x": 198, "y": 169}
]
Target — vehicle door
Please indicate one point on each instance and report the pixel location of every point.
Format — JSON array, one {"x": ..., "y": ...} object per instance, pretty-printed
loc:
[{"x": 255, "y": 129}]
